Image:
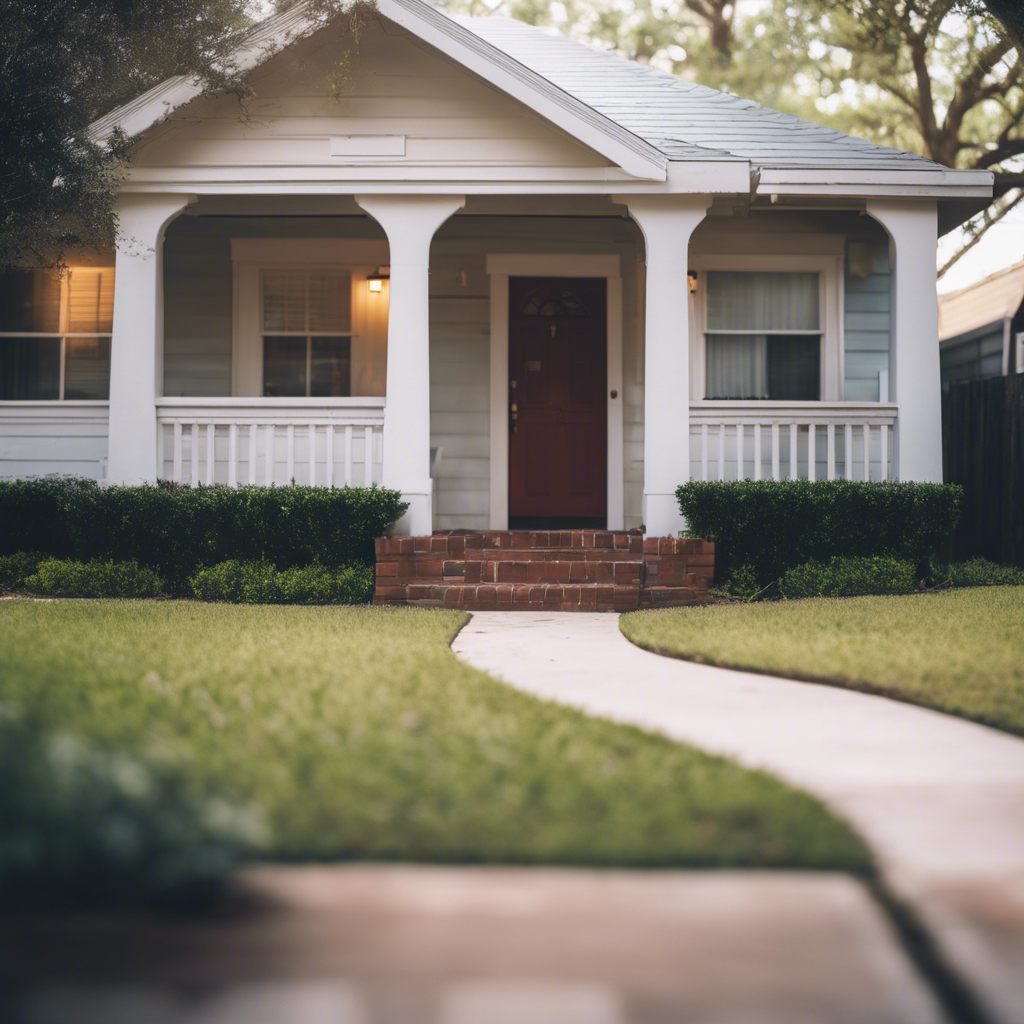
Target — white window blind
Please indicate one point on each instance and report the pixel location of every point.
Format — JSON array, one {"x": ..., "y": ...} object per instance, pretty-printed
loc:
[
  {"x": 295, "y": 302},
  {"x": 91, "y": 300},
  {"x": 761, "y": 301}
]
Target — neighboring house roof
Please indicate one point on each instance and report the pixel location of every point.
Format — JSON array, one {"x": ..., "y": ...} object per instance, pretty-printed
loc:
[
  {"x": 682, "y": 119},
  {"x": 985, "y": 302}
]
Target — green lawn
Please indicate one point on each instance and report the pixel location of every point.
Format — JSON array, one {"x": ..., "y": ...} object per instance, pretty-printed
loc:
[
  {"x": 361, "y": 735},
  {"x": 960, "y": 651}
]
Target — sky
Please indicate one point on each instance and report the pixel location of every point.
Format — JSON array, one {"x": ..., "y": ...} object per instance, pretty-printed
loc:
[{"x": 1001, "y": 246}]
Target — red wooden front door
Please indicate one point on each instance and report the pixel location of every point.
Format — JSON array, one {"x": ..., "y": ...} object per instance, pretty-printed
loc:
[{"x": 557, "y": 408}]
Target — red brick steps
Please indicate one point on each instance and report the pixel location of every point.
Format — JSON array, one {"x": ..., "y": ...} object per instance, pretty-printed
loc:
[{"x": 578, "y": 570}]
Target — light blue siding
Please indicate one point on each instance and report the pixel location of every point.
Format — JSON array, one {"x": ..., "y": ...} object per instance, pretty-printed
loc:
[{"x": 867, "y": 321}]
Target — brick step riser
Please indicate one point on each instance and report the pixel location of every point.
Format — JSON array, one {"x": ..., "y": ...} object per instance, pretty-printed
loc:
[
  {"x": 461, "y": 545},
  {"x": 523, "y": 597}
]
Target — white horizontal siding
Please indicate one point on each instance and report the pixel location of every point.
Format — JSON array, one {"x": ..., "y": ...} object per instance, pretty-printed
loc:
[
  {"x": 447, "y": 116},
  {"x": 41, "y": 439}
]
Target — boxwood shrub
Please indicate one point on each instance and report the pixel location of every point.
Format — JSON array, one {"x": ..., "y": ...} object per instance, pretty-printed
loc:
[
  {"x": 178, "y": 530},
  {"x": 772, "y": 526},
  {"x": 260, "y": 583},
  {"x": 849, "y": 577},
  {"x": 64, "y": 577},
  {"x": 16, "y": 568},
  {"x": 979, "y": 572},
  {"x": 80, "y": 824}
]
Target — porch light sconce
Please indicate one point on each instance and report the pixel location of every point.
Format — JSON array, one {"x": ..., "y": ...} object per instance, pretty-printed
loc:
[
  {"x": 375, "y": 282},
  {"x": 691, "y": 280}
]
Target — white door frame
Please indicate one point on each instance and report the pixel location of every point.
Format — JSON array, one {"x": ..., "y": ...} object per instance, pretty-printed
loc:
[{"x": 502, "y": 266}]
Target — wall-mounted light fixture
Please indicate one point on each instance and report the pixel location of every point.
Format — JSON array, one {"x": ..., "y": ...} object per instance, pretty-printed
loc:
[
  {"x": 375, "y": 282},
  {"x": 691, "y": 280}
]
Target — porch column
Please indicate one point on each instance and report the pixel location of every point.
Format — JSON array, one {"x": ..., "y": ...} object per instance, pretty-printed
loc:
[
  {"x": 137, "y": 341},
  {"x": 410, "y": 223},
  {"x": 667, "y": 223},
  {"x": 914, "y": 348}
]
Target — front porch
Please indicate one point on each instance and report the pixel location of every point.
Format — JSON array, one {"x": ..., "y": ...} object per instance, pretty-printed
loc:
[{"x": 407, "y": 341}]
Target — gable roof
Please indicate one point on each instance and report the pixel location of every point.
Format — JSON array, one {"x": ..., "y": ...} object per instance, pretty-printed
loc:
[
  {"x": 985, "y": 302},
  {"x": 638, "y": 117},
  {"x": 682, "y": 119}
]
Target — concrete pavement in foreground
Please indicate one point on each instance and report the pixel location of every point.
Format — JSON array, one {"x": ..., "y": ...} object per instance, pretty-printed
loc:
[
  {"x": 940, "y": 800},
  {"x": 403, "y": 944}
]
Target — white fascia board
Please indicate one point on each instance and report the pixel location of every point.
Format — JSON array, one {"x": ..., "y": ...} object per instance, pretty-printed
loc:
[
  {"x": 875, "y": 182},
  {"x": 708, "y": 177},
  {"x": 628, "y": 151}
]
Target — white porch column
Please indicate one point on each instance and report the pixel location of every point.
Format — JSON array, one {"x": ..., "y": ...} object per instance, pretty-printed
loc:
[
  {"x": 137, "y": 342},
  {"x": 667, "y": 223},
  {"x": 410, "y": 223},
  {"x": 914, "y": 348}
]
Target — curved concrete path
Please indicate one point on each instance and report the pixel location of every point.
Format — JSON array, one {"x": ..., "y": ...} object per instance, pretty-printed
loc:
[{"x": 940, "y": 800}]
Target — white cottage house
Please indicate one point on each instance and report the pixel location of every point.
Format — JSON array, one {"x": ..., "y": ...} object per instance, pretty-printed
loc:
[{"x": 523, "y": 281}]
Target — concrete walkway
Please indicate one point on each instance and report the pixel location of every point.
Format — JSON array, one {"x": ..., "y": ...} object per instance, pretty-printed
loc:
[{"x": 940, "y": 800}]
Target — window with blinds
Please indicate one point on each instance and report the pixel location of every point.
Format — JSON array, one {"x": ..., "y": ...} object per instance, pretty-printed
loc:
[
  {"x": 762, "y": 335},
  {"x": 307, "y": 333},
  {"x": 55, "y": 334}
]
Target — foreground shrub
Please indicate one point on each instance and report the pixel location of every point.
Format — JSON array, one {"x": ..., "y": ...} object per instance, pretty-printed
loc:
[
  {"x": 260, "y": 583},
  {"x": 849, "y": 577},
  {"x": 979, "y": 572},
  {"x": 16, "y": 568},
  {"x": 79, "y": 824},
  {"x": 177, "y": 531},
  {"x": 62, "y": 577},
  {"x": 772, "y": 526}
]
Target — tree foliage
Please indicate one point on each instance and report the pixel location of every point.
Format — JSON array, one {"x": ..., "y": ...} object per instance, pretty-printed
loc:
[{"x": 64, "y": 64}]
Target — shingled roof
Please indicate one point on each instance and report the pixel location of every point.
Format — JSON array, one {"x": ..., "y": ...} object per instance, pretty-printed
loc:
[{"x": 682, "y": 119}]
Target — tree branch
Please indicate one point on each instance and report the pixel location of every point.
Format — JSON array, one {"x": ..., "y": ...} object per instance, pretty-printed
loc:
[{"x": 995, "y": 213}]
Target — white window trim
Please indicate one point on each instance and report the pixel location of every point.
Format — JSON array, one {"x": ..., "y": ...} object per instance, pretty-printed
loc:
[
  {"x": 830, "y": 271},
  {"x": 251, "y": 256},
  {"x": 502, "y": 266}
]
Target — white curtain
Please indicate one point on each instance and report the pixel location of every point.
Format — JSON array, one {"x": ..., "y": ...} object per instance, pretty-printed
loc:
[
  {"x": 762, "y": 301},
  {"x": 736, "y": 366}
]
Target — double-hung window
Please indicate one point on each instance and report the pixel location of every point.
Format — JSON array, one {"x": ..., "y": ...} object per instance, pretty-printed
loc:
[
  {"x": 307, "y": 333},
  {"x": 55, "y": 334},
  {"x": 763, "y": 334}
]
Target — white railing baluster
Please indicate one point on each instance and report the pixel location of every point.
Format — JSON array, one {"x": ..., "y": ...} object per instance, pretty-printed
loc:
[
  {"x": 848, "y": 453},
  {"x": 289, "y": 476},
  {"x": 268, "y": 462},
  {"x": 757, "y": 451},
  {"x": 776, "y": 472},
  {"x": 329, "y": 454},
  {"x": 812, "y": 453},
  {"x": 176, "y": 455},
  {"x": 161, "y": 442},
  {"x": 233, "y": 455},
  {"x": 740, "y": 436},
  {"x": 830, "y": 465},
  {"x": 252, "y": 454},
  {"x": 704, "y": 451},
  {"x": 312, "y": 454},
  {"x": 211, "y": 453},
  {"x": 866, "y": 435},
  {"x": 194, "y": 454},
  {"x": 721, "y": 451},
  {"x": 794, "y": 461},
  {"x": 378, "y": 455},
  {"x": 884, "y": 448},
  {"x": 348, "y": 455}
]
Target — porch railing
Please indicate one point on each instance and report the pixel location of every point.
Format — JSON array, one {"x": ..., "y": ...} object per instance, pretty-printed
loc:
[
  {"x": 331, "y": 442},
  {"x": 791, "y": 440}
]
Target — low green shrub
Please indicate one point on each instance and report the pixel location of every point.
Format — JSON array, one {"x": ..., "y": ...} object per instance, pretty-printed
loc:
[
  {"x": 849, "y": 577},
  {"x": 83, "y": 825},
  {"x": 64, "y": 577},
  {"x": 772, "y": 525},
  {"x": 979, "y": 572},
  {"x": 179, "y": 530},
  {"x": 260, "y": 583},
  {"x": 16, "y": 568}
]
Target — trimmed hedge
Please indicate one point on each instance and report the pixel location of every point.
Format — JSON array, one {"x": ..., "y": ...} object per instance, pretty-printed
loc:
[
  {"x": 179, "y": 530},
  {"x": 979, "y": 572},
  {"x": 260, "y": 583},
  {"x": 849, "y": 577},
  {"x": 64, "y": 577},
  {"x": 84, "y": 825},
  {"x": 772, "y": 526},
  {"x": 16, "y": 568}
]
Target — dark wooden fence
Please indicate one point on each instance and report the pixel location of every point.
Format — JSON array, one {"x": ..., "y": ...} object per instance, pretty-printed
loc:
[{"x": 983, "y": 449}]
